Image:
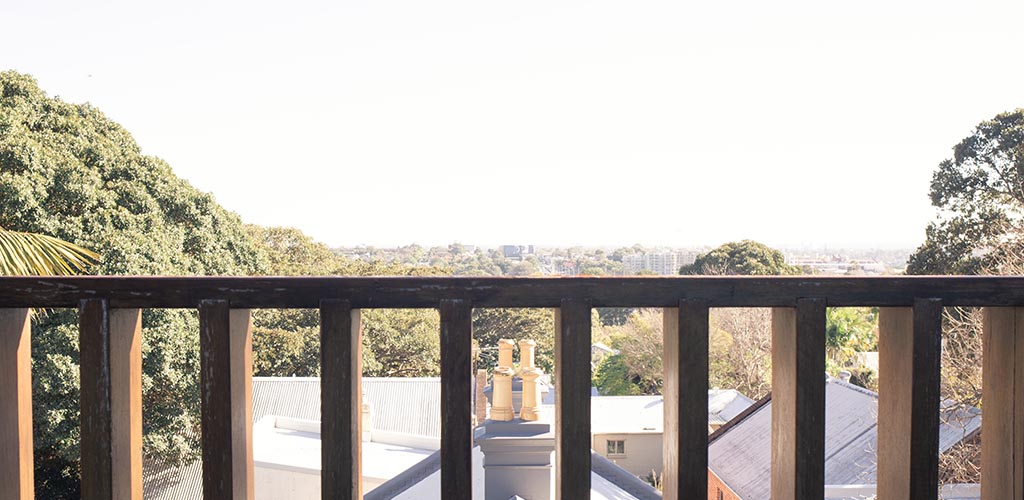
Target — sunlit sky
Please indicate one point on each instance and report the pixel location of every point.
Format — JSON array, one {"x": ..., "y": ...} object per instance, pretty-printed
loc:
[{"x": 594, "y": 123}]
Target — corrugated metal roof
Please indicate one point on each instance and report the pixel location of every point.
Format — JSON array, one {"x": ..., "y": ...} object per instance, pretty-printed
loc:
[
  {"x": 741, "y": 456},
  {"x": 391, "y": 400}
]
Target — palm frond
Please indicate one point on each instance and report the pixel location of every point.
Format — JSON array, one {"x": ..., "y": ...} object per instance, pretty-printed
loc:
[{"x": 32, "y": 254}]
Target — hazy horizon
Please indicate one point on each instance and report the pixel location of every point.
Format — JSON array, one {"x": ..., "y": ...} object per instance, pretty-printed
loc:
[{"x": 595, "y": 124}]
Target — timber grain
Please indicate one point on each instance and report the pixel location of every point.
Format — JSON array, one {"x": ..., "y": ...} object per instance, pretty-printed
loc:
[{"x": 426, "y": 292}]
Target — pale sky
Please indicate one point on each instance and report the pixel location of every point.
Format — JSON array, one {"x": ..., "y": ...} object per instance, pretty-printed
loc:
[{"x": 591, "y": 123}]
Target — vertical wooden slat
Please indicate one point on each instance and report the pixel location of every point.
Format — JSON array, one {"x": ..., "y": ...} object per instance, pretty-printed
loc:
[
  {"x": 241, "y": 403},
  {"x": 685, "y": 390},
  {"x": 226, "y": 385},
  {"x": 1002, "y": 428},
  {"x": 341, "y": 350},
  {"x": 895, "y": 390},
  {"x": 456, "y": 400},
  {"x": 110, "y": 363},
  {"x": 126, "y": 402},
  {"x": 908, "y": 400},
  {"x": 572, "y": 394},
  {"x": 15, "y": 405},
  {"x": 798, "y": 401},
  {"x": 924, "y": 425}
]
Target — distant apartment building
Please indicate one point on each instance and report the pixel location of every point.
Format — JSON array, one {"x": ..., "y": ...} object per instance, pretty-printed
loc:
[
  {"x": 658, "y": 263},
  {"x": 516, "y": 251}
]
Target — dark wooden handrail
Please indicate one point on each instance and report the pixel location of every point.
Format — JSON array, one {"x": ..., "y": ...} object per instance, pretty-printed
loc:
[
  {"x": 427, "y": 292},
  {"x": 910, "y": 332}
]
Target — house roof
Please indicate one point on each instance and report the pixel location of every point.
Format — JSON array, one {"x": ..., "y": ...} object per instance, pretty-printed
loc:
[
  {"x": 390, "y": 400},
  {"x": 423, "y": 481},
  {"x": 640, "y": 414},
  {"x": 740, "y": 454},
  {"x": 294, "y": 444}
]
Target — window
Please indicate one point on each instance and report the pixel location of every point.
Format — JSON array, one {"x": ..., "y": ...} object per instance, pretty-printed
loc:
[
  {"x": 616, "y": 448},
  {"x": 721, "y": 496}
]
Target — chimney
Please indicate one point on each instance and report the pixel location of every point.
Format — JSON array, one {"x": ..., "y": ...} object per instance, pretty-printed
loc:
[
  {"x": 480, "y": 408},
  {"x": 526, "y": 354},
  {"x": 501, "y": 394},
  {"x": 366, "y": 423},
  {"x": 531, "y": 392},
  {"x": 845, "y": 376},
  {"x": 505, "y": 347},
  {"x": 530, "y": 409},
  {"x": 518, "y": 453},
  {"x": 518, "y": 459}
]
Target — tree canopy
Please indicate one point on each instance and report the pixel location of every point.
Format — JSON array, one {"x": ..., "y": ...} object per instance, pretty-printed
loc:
[
  {"x": 745, "y": 257},
  {"x": 979, "y": 194},
  {"x": 68, "y": 171}
]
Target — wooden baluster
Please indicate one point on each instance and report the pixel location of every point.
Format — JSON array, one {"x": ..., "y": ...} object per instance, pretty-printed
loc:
[
  {"x": 685, "y": 390},
  {"x": 1002, "y": 428},
  {"x": 16, "y": 405},
  {"x": 225, "y": 345},
  {"x": 456, "y": 400},
  {"x": 572, "y": 405},
  {"x": 341, "y": 350},
  {"x": 909, "y": 347},
  {"x": 110, "y": 361},
  {"x": 798, "y": 401}
]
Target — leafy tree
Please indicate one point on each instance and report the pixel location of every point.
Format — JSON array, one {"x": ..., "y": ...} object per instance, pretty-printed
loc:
[
  {"x": 68, "y": 171},
  {"x": 979, "y": 194},
  {"x": 613, "y": 378},
  {"x": 401, "y": 343},
  {"x": 639, "y": 345},
  {"x": 849, "y": 330},
  {"x": 286, "y": 342},
  {"x": 745, "y": 257}
]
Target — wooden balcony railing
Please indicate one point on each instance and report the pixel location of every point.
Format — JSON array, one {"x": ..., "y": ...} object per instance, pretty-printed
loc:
[{"x": 910, "y": 343}]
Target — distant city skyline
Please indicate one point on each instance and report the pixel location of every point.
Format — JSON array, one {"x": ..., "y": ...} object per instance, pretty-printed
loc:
[{"x": 598, "y": 124}]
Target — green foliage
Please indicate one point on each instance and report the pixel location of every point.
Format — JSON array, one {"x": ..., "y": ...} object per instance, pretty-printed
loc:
[
  {"x": 401, "y": 343},
  {"x": 41, "y": 255},
  {"x": 492, "y": 325},
  {"x": 613, "y": 378},
  {"x": 68, "y": 171},
  {"x": 980, "y": 201},
  {"x": 745, "y": 257},
  {"x": 849, "y": 330},
  {"x": 637, "y": 368}
]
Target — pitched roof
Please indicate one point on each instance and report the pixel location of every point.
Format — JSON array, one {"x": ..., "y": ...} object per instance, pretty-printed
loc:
[
  {"x": 608, "y": 481},
  {"x": 640, "y": 414},
  {"x": 740, "y": 454}
]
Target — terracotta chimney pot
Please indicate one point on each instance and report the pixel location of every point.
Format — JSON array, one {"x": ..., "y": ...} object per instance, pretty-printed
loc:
[
  {"x": 527, "y": 354},
  {"x": 505, "y": 347},
  {"x": 501, "y": 402},
  {"x": 531, "y": 386}
]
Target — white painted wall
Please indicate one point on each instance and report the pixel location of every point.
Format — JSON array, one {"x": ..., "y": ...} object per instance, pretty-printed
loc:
[{"x": 643, "y": 451}]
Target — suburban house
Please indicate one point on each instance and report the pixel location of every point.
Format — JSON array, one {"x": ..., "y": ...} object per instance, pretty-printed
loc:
[
  {"x": 628, "y": 430},
  {"x": 739, "y": 453}
]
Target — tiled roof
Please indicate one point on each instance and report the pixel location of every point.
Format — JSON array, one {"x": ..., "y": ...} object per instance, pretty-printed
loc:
[{"x": 741, "y": 455}]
